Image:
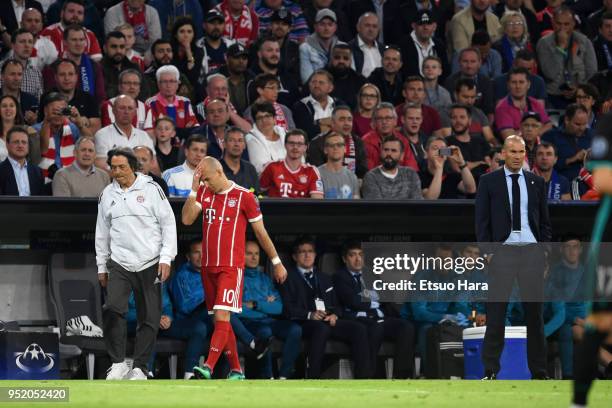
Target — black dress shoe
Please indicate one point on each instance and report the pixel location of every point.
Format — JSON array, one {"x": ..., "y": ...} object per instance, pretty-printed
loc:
[
  {"x": 541, "y": 377},
  {"x": 489, "y": 375}
]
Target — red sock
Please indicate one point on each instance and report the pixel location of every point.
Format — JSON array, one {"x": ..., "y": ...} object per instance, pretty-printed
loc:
[
  {"x": 231, "y": 351},
  {"x": 217, "y": 342}
]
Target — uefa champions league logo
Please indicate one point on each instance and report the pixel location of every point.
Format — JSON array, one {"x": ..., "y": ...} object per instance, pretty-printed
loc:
[{"x": 35, "y": 360}]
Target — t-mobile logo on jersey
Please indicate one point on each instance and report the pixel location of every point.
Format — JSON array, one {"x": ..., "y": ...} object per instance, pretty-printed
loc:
[
  {"x": 210, "y": 215},
  {"x": 285, "y": 189}
]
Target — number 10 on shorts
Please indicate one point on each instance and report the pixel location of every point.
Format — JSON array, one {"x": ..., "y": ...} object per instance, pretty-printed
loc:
[{"x": 229, "y": 295}]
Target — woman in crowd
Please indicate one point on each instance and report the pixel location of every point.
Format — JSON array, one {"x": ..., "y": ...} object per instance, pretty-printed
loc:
[
  {"x": 515, "y": 38},
  {"x": 187, "y": 57},
  {"x": 588, "y": 96},
  {"x": 266, "y": 141},
  {"x": 10, "y": 115},
  {"x": 369, "y": 99}
]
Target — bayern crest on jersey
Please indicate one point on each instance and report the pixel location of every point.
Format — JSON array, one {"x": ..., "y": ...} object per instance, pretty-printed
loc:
[
  {"x": 231, "y": 203},
  {"x": 303, "y": 179}
]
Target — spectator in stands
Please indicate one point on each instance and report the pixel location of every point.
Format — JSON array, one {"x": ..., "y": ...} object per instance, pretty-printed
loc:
[
  {"x": 237, "y": 169},
  {"x": 141, "y": 16},
  {"x": 58, "y": 133},
  {"x": 436, "y": 96},
  {"x": 315, "y": 51},
  {"x": 411, "y": 129},
  {"x": 491, "y": 60},
  {"x": 73, "y": 12},
  {"x": 121, "y": 133},
  {"x": 180, "y": 178},
  {"x": 267, "y": 86},
  {"x": 445, "y": 176},
  {"x": 385, "y": 121},
  {"x": 93, "y": 16},
  {"x": 46, "y": 53},
  {"x": 465, "y": 94},
  {"x": 421, "y": 43},
  {"x": 537, "y": 88},
  {"x": 391, "y": 18},
  {"x": 338, "y": 181},
  {"x": 368, "y": 99},
  {"x": 363, "y": 305},
  {"x": 17, "y": 176},
  {"x": 170, "y": 11},
  {"x": 414, "y": 93},
  {"x": 588, "y": 96},
  {"x": 291, "y": 177},
  {"x": 566, "y": 58},
  {"x": 217, "y": 112},
  {"x": 266, "y": 8},
  {"x": 510, "y": 110},
  {"x": 147, "y": 162},
  {"x": 66, "y": 78},
  {"x": 309, "y": 300},
  {"x": 347, "y": 81},
  {"x": 354, "y": 152},
  {"x": 521, "y": 8},
  {"x": 280, "y": 27},
  {"x": 10, "y": 116},
  {"x": 130, "y": 39},
  {"x": 265, "y": 141},
  {"x": 469, "y": 67},
  {"x": 388, "y": 78},
  {"x": 238, "y": 76},
  {"x": 166, "y": 148},
  {"x": 494, "y": 159},
  {"x": 390, "y": 180},
  {"x": 474, "y": 148},
  {"x": 11, "y": 78},
  {"x": 162, "y": 54},
  {"x": 515, "y": 38},
  {"x": 572, "y": 140},
  {"x": 129, "y": 83},
  {"x": 313, "y": 113},
  {"x": 241, "y": 22},
  {"x": 366, "y": 50},
  {"x": 474, "y": 18},
  {"x": 213, "y": 45},
  {"x": 531, "y": 130},
  {"x": 557, "y": 186},
  {"x": 12, "y": 14},
  {"x": 312, "y": 7},
  {"x": 22, "y": 45},
  {"x": 167, "y": 103},
  {"x": 81, "y": 178},
  {"x": 114, "y": 62},
  {"x": 217, "y": 88},
  {"x": 594, "y": 20},
  {"x": 186, "y": 56},
  {"x": 269, "y": 62},
  {"x": 262, "y": 307}
]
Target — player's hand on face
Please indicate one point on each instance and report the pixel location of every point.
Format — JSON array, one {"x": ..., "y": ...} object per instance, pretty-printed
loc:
[
  {"x": 103, "y": 279},
  {"x": 197, "y": 176},
  {"x": 163, "y": 270},
  {"x": 280, "y": 273}
]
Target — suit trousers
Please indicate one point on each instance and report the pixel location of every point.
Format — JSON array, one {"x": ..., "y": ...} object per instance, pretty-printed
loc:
[
  {"x": 318, "y": 332},
  {"x": 525, "y": 265}
]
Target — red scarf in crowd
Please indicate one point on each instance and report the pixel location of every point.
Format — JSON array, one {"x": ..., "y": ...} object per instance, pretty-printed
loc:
[
  {"x": 66, "y": 150},
  {"x": 240, "y": 29},
  {"x": 137, "y": 20},
  {"x": 279, "y": 116}
]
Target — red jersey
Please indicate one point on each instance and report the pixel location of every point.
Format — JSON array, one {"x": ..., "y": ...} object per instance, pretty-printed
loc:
[
  {"x": 55, "y": 32},
  {"x": 225, "y": 217},
  {"x": 278, "y": 180},
  {"x": 180, "y": 110}
]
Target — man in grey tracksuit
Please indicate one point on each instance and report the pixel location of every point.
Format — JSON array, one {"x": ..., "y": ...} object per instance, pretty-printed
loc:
[{"x": 135, "y": 244}]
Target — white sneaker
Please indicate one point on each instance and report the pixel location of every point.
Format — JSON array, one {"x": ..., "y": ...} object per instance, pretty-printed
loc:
[
  {"x": 136, "y": 374},
  {"x": 118, "y": 371},
  {"x": 188, "y": 376}
]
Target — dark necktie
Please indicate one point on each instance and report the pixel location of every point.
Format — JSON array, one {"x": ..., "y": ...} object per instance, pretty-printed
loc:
[
  {"x": 310, "y": 278},
  {"x": 357, "y": 278},
  {"x": 516, "y": 203}
]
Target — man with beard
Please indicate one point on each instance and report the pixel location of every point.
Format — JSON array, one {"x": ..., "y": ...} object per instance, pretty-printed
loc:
[
  {"x": 73, "y": 12},
  {"x": 476, "y": 17},
  {"x": 280, "y": 26},
  {"x": 114, "y": 62},
  {"x": 347, "y": 82},
  {"x": 268, "y": 62},
  {"x": 391, "y": 181},
  {"x": 389, "y": 78},
  {"x": 238, "y": 75},
  {"x": 474, "y": 148},
  {"x": 161, "y": 51},
  {"x": 299, "y": 27},
  {"x": 557, "y": 186},
  {"x": 45, "y": 51},
  {"x": 315, "y": 51},
  {"x": 213, "y": 43}
]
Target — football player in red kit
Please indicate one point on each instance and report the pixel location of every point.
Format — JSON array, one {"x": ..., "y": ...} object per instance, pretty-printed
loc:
[{"x": 226, "y": 209}]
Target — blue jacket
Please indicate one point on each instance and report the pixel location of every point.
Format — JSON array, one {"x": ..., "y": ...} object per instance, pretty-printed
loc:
[
  {"x": 433, "y": 312},
  {"x": 186, "y": 290},
  {"x": 166, "y": 306},
  {"x": 257, "y": 287},
  {"x": 567, "y": 146}
]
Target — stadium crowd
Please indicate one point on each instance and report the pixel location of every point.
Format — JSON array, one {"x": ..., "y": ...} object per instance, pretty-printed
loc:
[{"x": 322, "y": 99}]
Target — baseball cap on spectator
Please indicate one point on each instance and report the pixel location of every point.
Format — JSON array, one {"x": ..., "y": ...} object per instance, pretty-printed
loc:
[
  {"x": 325, "y": 13},
  {"x": 213, "y": 15},
  {"x": 282, "y": 14},
  {"x": 236, "y": 50},
  {"x": 424, "y": 17},
  {"x": 531, "y": 115}
]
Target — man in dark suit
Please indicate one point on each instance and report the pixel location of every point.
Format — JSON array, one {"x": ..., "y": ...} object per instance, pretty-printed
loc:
[
  {"x": 511, "y": 209},
  {"x": 9, "y": 18},
  {"x": 17, "y": 176},
  {"x": 393, "y": 16},
  {"x": 309, "y": 299},
  {"x": 380, "y": 320}
]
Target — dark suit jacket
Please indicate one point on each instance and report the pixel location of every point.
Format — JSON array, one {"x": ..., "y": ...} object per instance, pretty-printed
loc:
[
  {"x": 7, "y": 14},
  {"x": 8, "y": 184},
  {"x": 410, "y": 58},
  {"x": 303, "y": 116},
  {"x": 493, "y": 219},
  {"x": 299, "y": 298},
  {"x": 348, "y": 291},
  {"x": 393, "y": 17},
  {"x": 358, "y": 53}
]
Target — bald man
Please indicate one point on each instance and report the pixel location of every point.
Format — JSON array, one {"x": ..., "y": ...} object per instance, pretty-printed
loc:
[{"x": 227, "y": 208}]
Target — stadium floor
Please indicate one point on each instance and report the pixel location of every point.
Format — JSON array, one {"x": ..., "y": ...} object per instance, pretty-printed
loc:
[{"x": 318, "y": 394}]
